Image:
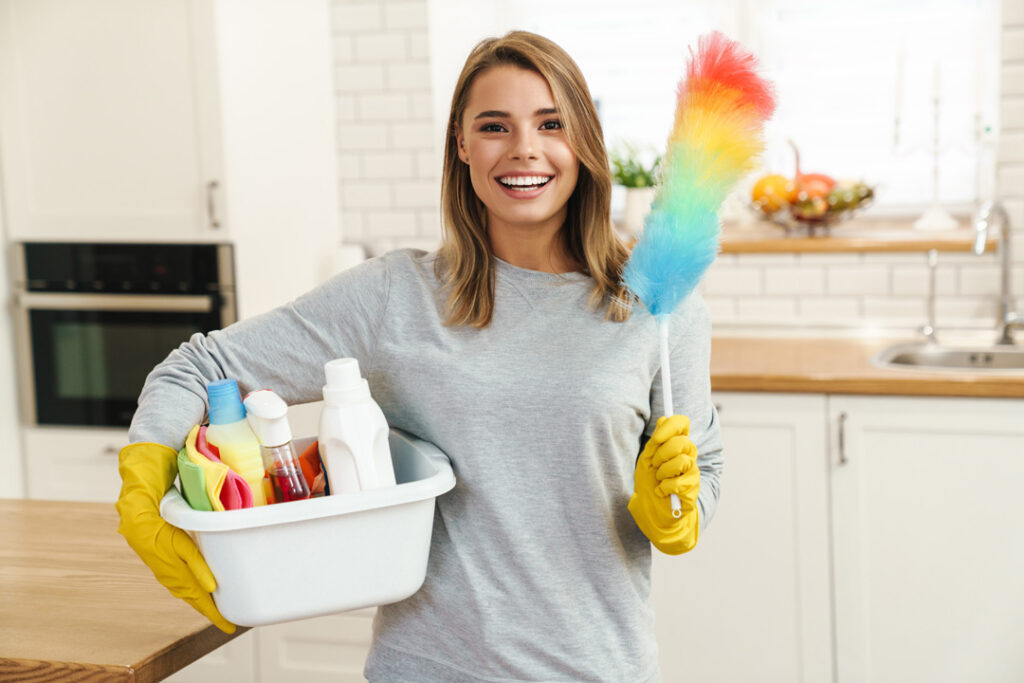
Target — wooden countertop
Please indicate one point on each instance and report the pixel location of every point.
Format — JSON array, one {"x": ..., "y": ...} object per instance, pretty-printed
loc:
[
  {"x": 857, "y": 237},
  {"x": 838, "y": 366},
  {"x": 76, "y": 603}
]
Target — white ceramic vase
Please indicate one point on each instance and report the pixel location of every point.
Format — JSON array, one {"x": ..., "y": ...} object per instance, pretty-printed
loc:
[{"x": 638, "y": 205}]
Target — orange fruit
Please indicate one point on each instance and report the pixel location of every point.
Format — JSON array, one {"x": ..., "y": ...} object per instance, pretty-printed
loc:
[{"x": 772, "y": 192}]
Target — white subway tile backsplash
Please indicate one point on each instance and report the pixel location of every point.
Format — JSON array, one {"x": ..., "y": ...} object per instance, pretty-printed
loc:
[
  {"x": 794, "y": 280},
  {"x": 345, "y": 108},
  {"x": 766, "y": 259},
  {"x": 419, "y": 46},
  {"x": 422, "y": 106},
  {"x": 1015, "y": 208},
  {"x": 955, "y": 311},
  {"x": 428, "y": 164},
  {"x": 355, "y": 78},
  {"x": 352, "y": 228},
  {"x": 356, "y": 136},
  {"x": 350, "y": 167},
  {"x": 726, "y": 279},
  {"x": 1011, "y": 113},
  {"x": 1011, "y": 147},
  {"x": 1012, "y": 12},
  {"x": 830, "y": 259},
  {"x": 412, "y": 136},
  {"x": 829, "y": 309},
  {"x": 388, "y": 165},
  {"x": 355, "y": 17},
  {"x": 765, "y": 310},
  {"x": 913, "y": 280},
  {"x": 979, "y": 281},
  {"x": 366, "y": 195},
  {"x": 894, "y": 308},
  {"x": 857, "y": 279},
  {"x": 383, "y": 107},
  {"x": 381, "y": 47},
  {"x": 721, "y": 308},
  {"x": 1013, "y": 43},
  {"x": 429, "y": 223},
  {"x": 417, "y": 193},
  {"x": 897, "y": 259},
  {"x": 410, "y": 77},
  {"x": 1011, "y": 79},
  {"x": 391, "y": 222},
  {"x": 407, "y": 15},
  {"x": 1010, "y": 180},
  {"x": 344, "y": 48}
]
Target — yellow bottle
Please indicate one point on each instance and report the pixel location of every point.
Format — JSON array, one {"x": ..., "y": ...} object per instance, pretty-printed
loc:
[{"x": 230, "y": 433}]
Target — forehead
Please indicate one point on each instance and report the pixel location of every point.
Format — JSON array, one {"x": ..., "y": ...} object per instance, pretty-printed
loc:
[{"x": 509, "y": 88}]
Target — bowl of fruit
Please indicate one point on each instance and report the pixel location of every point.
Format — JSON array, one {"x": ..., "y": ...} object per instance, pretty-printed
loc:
[{"x": 808, "y": 200}]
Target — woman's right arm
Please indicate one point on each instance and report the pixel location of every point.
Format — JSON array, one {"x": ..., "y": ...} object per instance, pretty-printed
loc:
[{"x": 283, "y": 350}]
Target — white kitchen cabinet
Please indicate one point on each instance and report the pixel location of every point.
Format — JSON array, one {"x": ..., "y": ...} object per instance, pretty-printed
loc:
[
  {"x": 175, "y": 120},
  {"x": 752, "y": 601},
  {"x": 109, "y": 119},
  {"x": 928, "y": 542},
  {"x": 73, "y": 464}
]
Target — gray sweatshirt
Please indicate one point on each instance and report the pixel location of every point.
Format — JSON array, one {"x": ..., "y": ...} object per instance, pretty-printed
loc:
[{"x": 537, "y": 571}]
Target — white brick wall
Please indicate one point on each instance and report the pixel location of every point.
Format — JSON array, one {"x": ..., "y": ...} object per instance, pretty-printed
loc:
[
  {"x": 388, "y": 168},
  {"x": 389, "y": 171}
]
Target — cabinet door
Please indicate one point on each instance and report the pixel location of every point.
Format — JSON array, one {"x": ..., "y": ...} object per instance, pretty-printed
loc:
[
  {"x": 107, "y": 118},
  {"x": 929, "y": 548},
  {"x": 233, "y": 662},
  {"x": 73, "y": 464},
  {"x": 325, "y": 649},
  {"x": 751, "y": 602}
]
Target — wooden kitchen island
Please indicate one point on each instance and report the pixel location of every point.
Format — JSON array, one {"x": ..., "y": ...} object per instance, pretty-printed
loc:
[{"x": 76, "y": 603}]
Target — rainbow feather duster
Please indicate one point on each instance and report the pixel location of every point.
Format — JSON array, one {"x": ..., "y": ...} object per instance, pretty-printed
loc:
[{"x": 717, "y": 135}]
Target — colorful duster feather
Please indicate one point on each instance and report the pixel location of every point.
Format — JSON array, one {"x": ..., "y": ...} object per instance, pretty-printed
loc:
[{"x": 717, "y": 135}]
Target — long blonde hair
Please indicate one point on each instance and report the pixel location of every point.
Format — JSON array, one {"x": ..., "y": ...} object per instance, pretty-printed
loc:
[{"x": 466, "y": 263}]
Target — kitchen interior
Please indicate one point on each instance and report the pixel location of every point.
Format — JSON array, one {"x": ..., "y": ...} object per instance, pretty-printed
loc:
[{"x": 171, "y": 167}]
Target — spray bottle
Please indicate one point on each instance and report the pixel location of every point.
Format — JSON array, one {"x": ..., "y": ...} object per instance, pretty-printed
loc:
[
  {"x": 230, "y": 434},
  {"x": 267, "y": 414},
  {"x": 353, "y": 432}
]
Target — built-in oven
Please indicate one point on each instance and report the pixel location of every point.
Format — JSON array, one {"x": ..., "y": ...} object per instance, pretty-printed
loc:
[{"x": 93, "y": 319}]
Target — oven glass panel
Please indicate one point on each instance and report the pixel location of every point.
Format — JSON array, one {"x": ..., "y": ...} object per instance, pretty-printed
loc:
[{"x": 90, "y": 365}]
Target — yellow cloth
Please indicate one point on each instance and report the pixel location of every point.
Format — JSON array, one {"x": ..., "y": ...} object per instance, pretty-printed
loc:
[
  {"x": 147, "y": 472},
  {"x": 216, "y": 472},
  {"x": 667, "y": 465}
]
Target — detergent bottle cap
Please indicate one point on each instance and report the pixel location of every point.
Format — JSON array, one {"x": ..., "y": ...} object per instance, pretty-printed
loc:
[
  {"x": 268, "y": 416},
  {"x": 225, "y": 402},
  {"x": 344, "y": 383}
]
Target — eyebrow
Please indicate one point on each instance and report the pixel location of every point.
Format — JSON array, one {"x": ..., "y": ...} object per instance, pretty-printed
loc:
[{"x": 495, "y": 114}]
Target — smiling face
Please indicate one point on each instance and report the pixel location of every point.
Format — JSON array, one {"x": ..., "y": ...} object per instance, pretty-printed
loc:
[{"x": 520, "y": 162}]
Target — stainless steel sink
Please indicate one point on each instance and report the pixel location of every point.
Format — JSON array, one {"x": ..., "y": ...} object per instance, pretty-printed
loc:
[{"x": 983, "y": 359}]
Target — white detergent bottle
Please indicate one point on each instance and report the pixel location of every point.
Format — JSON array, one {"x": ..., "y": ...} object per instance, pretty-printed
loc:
[
  {"x": 230, "y": 433},
  {"x": 353, "y": 432}
]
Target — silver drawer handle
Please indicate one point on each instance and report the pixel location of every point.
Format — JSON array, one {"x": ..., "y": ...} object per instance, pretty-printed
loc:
[
  {"x": 60, "y": 301},
  {"x": 211, "y": 204},
  {"x": 842, "y": 438},
  {"x": 111, "y": 450}
]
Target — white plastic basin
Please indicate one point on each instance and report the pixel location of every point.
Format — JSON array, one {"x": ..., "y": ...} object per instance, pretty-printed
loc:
[{"x": 324, "y": 555}]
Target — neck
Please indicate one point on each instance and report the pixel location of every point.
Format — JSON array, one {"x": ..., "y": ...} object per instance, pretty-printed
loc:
[{"x": 532, "y": 248}]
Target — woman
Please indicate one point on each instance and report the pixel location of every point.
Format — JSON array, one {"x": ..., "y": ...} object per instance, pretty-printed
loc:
[{"x": 513, "y": 349}]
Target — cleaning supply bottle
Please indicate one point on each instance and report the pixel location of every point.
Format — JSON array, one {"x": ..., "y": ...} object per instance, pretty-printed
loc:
[
  {"x": 230, "y": 434},
  {"x": 353, "y": 432},
  {"x": 267, "y": 414}
]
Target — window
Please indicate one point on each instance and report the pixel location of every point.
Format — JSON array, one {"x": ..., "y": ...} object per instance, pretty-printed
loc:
[{"x": 837, "y": 68}]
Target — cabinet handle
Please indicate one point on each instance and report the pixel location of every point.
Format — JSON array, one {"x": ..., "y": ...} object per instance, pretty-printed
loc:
[
  {"x": 842, "y": 438},
  {"x": 111, "y": 450},
  {"x": 211, "y": 204},
  {"x": 718, "y": 408}
]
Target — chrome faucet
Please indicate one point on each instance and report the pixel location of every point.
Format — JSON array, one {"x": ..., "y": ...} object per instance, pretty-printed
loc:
[
  {"x": 928, "y": 329},
  {"x": 1008, "y": 318}
]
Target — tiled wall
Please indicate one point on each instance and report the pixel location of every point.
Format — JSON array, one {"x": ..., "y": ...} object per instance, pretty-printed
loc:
[{"x": 390, "y": 185}]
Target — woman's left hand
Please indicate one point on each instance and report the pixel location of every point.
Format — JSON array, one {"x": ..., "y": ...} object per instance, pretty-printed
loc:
[{"x": 667, "y": 465}]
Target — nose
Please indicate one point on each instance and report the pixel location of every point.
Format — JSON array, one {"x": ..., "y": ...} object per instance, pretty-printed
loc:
[{"x": 524, "y": 145}]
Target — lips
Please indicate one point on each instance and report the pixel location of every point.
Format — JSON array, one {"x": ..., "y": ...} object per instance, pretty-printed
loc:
[{"x": 523, "y": 186}]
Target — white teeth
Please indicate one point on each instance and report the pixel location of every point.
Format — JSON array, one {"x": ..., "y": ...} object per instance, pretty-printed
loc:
[{"x": 524, "y": 180}]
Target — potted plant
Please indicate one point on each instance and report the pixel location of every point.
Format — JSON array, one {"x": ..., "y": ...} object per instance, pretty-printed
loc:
[{"x": 638, "y": 173}]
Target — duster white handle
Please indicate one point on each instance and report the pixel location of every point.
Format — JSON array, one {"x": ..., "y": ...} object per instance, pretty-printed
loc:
[{"x": 666, "y": 393}]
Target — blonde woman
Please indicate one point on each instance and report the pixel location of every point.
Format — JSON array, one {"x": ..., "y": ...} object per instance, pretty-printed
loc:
[{"x": 512, "y": 348}]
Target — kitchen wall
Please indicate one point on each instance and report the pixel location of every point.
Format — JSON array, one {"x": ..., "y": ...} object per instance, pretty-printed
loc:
[{"x": 389, "y": 161}]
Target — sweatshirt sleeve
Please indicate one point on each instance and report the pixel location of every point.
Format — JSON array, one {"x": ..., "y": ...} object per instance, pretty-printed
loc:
[
  {"x": 690, "y": 332},
  {"x": 283, "y": 350}
]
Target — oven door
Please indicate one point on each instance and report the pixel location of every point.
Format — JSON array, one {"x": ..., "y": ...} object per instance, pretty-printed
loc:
[{"x": 91, "y": 356}]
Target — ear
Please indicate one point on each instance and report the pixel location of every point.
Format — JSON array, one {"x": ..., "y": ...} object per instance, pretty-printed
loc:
[{"x": 460, "y": 146}]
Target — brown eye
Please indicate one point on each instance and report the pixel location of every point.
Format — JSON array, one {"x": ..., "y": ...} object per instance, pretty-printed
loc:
[{"x": 551, "y": 125}]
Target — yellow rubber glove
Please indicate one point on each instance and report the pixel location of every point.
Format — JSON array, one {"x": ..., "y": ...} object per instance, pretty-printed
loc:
[
  {"x": 667, "y": 465},
  {"x": 147, "y": 472}
]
